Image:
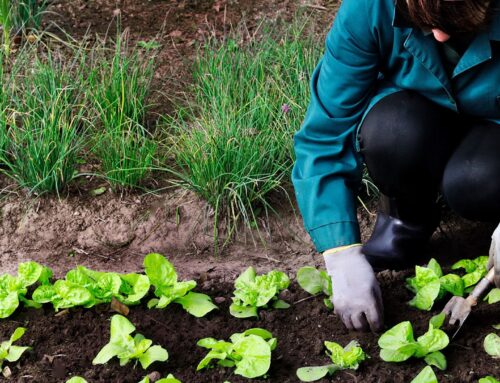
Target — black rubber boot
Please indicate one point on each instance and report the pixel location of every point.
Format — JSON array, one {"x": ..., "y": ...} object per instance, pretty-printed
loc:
[{"x": 397, "y": 242}]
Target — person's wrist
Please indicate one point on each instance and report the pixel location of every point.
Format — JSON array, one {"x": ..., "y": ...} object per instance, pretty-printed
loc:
[{"x": 340, "y": 248}]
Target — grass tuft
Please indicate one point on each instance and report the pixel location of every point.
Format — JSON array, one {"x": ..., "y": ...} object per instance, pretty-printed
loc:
[
  {"x": 45, "y": 128},
  {"x": 233, "y": 144},
  {"x": 118, "y": 89}
]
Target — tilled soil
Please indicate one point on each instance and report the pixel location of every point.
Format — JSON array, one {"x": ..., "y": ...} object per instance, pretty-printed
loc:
[{"x": 63, "y": 346}]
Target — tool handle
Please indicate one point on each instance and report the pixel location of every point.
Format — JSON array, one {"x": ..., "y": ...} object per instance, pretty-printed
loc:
[{"x": 483, "y": 285}]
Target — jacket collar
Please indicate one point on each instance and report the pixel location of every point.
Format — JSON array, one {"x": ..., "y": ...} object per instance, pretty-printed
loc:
[{"x": 401, "y": 18}]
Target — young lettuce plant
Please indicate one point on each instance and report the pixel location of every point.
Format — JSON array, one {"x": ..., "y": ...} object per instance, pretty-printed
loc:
[
  {"x": 429, "y": 285},
  {"x": 258, "y": 291},
  {"x": 489, "y": 379},
  {"x": 492, "y": 345},
  {"x": 163, "y": 277},
  {"x": 76, "y": 379},
  {"x": 493, "y": 296},
  {"x": 249, "y": 352},
  {"x": 475, "y": 270},
  {"x": 169, "y": 379},
  {"x": 316, "y": 281},
  {"x": 85, "y": 287},
  {"x": 427, "y": 375},
  {"x": 14, "y": 289},
  {"x": 398, "y": 343},
  {"x": 125, "y": 347},
  {"x": 9, "y": 352},
  {"x": 348, "y": 357}
]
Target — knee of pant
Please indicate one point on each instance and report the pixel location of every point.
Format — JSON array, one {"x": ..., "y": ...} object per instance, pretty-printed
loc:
[
  {"x": 472, "y": 191},
  {"x": 400, "y": 130}
]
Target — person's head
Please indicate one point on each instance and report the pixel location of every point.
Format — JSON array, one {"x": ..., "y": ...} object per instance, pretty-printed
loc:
[{"x": 449, "y": 17}]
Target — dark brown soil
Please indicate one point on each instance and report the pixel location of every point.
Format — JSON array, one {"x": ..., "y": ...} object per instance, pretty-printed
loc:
[{"x": 65, "y": 345}]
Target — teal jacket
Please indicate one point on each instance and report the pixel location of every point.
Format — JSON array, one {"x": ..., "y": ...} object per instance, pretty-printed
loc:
[{"x": 372, "y": 51}]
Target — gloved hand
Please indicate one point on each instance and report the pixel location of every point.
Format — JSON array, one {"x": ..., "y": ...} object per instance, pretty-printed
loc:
[
  {"x": 357, "y": 298},
  {"x": 494, "y": 260}
]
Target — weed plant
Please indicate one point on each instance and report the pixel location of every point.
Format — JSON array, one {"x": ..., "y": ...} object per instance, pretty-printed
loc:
[
  {"x": 233, "y": 144},
  {"x": 119, "y": 89}
]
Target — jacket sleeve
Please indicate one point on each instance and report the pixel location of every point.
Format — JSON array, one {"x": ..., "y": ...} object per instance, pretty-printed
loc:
[{"x": 327, "y": 171}]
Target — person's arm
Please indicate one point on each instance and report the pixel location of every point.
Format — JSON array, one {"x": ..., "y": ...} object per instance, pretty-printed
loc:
[{"x": 327, "y": 170}]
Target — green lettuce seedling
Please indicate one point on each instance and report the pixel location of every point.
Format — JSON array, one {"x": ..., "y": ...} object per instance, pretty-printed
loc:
[
  {"x": 76, "y": 379},
  {"x": 13, "y": 290},
  {"x": 492, "y": 345},
  {"x": 493, "y": 296},
  {"x": 9, "y": 352},
  {"x": 475, "y": 270},
  {"x": 427, "y": 375},
  {"x": 316, "y": 281},
  {"x": 125, "y": 347},
  {"x": 169, "y": 379},
  {"x": 163, "y": 277},
  {"x": 398, "y": 343},
  {"x": 85, "y": 287},
  {"x": 258, "y": 291},
  {"x": 429, "y": 285},
  {"x": 348, "y": 357},
  {"x": 249, "y": 352},
  {"x": 489, "y": 379}
]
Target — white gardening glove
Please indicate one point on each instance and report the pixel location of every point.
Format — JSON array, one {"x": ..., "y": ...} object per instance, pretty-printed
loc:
[
  {"x": 494, "y": 260},
  {"x": 357, "y": 298}
]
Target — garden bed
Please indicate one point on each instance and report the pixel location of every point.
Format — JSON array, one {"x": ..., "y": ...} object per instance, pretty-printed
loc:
[{"x": 65, "y": 345}]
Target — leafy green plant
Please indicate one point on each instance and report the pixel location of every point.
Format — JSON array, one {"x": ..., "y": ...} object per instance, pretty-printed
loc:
[
  {"x": 475, "y": 270},
  {"x": 398, "y": 343},
  {"x": 255, "y": 292},
  {"x": 85, "y": 287},
  {"x": 249, "y": 352},
  {"x": 489, "y": 379},
  {"x": 163, "y": 277},
  {"x": 427, "y": 375},
  {"x": 125, "y": 347},
  {"x": 76, "y": 379},
  {"x": 493, "y": 296},
  {"x": 492, "y": 345},
  {"x": 169, "y": 379},
  {"x": 348, "y": 357},
  {"x": 429, "y": 285},
  {"x": 9, "y": 352},
  {"x": 118, "y": 90},
  {"x": 316, "y": 281},
  {"x": 13, "y": 290}
]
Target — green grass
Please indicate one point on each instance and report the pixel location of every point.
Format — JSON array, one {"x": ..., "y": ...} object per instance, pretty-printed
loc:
[
  {"x": 233, "y": 144},
  {"x": 118, "y": 90},
  {"x": 46, "y": 131}
]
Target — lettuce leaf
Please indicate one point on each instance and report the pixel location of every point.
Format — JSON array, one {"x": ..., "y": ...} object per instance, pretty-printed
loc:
[
  {"x": 316, "y": 281},
  {"x": 427, "y": 375},
  {"x": 254, "y": 291},
  {"x": 125, "y": 347},
  {"x": 168, "y": 289},
  {"x": 492, "y": 345},
  {"x": 348, "y": 357},
  {"x": 429, "y": 285},
  {"x": 398, "y": 343},
  {"x": 249, "y": 352}
]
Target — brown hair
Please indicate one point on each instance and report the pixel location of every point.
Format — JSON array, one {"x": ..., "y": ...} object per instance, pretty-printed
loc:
[{"x": 451, "y": 16}]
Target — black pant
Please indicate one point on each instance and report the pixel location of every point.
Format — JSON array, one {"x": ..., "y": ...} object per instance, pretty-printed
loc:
[{"x": 415, "y": 149}]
